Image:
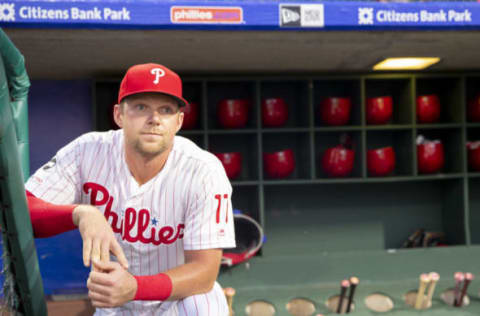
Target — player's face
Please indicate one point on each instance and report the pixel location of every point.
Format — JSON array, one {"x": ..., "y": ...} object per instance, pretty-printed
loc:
[{"x": 149, "y": 122}]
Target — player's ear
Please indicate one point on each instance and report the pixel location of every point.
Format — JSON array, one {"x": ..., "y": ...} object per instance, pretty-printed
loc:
[
  {"x": 180, "y": 119},
  {"x": 118, "y": 114}
]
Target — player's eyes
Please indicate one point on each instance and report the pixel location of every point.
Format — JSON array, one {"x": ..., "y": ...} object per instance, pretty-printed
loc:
[
  {"x": 166, "y": 110},
  {"x": 140, "y": 107}
]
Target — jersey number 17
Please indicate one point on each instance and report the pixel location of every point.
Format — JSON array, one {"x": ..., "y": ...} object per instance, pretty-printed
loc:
[{"x": 219, "y": 207}]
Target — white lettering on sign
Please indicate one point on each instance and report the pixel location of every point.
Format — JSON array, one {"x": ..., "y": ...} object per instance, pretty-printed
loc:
[
  {"x": 394, "y": 16},
  {"x": 116, "y": 15},
  {"x": 438, "y": 16},
  {"x": 73, "y": 13},
  {"x": 38, "y": 13},
  {"x": 79, "y": 14},
  {"x": 455, "y": 16},
  {"x": 441, "y": 16}
]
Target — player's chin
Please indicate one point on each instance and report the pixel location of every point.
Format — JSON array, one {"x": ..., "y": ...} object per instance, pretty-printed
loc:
[{"x": 150, "y": 148}]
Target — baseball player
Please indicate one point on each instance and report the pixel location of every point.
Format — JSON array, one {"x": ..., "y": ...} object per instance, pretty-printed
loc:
[{"x": 156, "y": 202}]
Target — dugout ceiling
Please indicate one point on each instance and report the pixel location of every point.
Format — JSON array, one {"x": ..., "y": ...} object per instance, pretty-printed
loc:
[{"x": 77, "y": 53}]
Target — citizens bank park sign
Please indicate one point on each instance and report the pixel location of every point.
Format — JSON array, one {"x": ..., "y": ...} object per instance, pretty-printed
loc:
[{"x": 256, "y": 15}]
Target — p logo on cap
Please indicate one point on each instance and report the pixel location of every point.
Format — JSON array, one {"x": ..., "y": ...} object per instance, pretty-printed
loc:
[
  {"x": 139, "y": 79},
  {"x": 158, "y": 72}
]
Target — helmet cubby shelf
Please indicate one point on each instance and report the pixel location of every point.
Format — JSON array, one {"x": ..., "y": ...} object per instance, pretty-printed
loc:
[{"x": 343, "y": 222}]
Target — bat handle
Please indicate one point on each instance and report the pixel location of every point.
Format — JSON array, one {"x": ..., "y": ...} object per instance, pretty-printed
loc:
[
  {"x": 353, "y": 285},
  {"x": 468, "y": 279},
  {"x": 345, "y": 284},
  {"x": 424, "y": 280},
  {"x": 229, "y": 293}
]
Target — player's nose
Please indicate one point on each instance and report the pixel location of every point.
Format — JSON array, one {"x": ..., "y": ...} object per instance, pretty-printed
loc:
[{"x": 155, "y": 118}]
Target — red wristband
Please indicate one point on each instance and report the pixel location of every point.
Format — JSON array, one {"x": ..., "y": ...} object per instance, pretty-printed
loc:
[
  {"x": 156, "y": 287},
  {"x": 49, "y": 219}
]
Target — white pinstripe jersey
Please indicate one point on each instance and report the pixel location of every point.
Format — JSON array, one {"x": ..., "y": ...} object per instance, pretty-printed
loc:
[{"x": 186, "y": 206}]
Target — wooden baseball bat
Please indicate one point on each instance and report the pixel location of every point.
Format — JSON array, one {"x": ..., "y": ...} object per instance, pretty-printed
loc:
[
  {"x": 434, "y": 277},
  {"x": 424, "y": 280},
  {"x": 229, "y": 293},
  {"x": 468, "y": 278},
  {"x": 459, "y": 277},
  {"x": 343, "y": 290},
  {"x": 353, "y": 285}
]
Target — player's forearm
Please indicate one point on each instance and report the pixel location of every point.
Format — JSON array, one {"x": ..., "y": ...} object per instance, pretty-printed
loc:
[
  {"x": 191, "y": 278},
  {"x": 49, "y": 219},
  {"x": 180, "y": 282}
]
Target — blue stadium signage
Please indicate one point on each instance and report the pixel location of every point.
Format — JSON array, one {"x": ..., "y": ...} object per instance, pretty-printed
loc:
[{"x": 256, "y": 15}]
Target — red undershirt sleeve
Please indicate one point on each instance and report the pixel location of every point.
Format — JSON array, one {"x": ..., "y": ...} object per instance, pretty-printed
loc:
[
  {"x": 156, "y": 287},
  {"x": 49, "y": 219}
]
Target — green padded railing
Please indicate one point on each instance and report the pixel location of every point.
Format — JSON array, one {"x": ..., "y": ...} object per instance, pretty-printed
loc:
[
  {"x": 18, "y": 83},
  {"x": 24, "y": 291}
]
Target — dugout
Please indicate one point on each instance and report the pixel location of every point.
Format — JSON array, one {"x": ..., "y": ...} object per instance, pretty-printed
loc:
[{"x": 319, "y": 229}]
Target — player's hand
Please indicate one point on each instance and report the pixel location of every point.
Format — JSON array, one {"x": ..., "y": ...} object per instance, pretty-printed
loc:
[
  {"x": 113, "y": 286},
  {"x": 97, "y": 235}
]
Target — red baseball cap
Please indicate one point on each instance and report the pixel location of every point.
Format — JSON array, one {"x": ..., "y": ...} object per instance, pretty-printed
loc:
[{"x": 151, "y": 78}]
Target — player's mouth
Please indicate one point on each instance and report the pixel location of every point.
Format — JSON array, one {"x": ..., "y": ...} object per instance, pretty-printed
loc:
[{"x": 152, "y": 135}]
